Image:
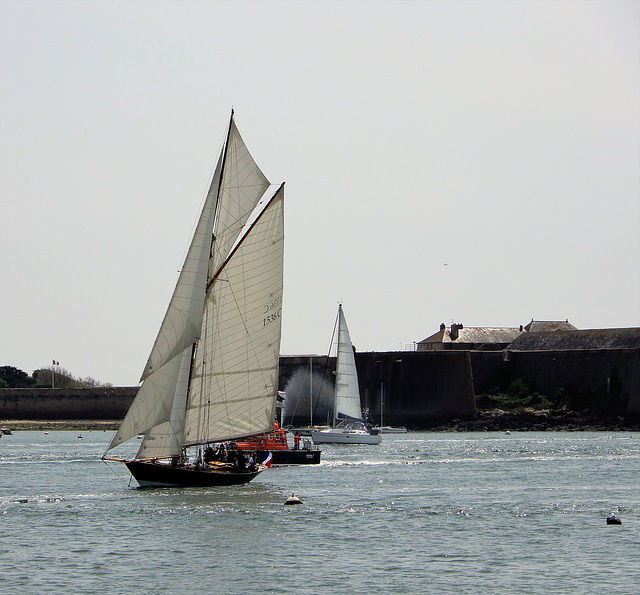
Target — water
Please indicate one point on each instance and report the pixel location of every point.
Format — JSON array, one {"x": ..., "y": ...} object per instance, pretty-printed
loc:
[{"x": 437, "y": 513}]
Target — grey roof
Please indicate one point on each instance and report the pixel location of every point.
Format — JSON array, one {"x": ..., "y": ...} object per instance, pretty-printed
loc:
[
  {"x": 617, "y": 338},
  {"x": 475, "y": 335},
  {"x": 544, "y": 326}
]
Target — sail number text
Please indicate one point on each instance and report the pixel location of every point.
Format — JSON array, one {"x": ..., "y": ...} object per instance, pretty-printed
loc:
[{"x": 272, "y": 311}]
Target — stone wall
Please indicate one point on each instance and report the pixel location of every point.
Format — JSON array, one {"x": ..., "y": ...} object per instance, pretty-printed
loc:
[
  {"x": 414, "y": 389},
  {"x": 601, "y": 380},
  {"x": 65, "y": 403}
]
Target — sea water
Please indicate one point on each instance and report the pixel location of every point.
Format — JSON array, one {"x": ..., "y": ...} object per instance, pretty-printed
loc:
[{"x": 439, "y": 513}]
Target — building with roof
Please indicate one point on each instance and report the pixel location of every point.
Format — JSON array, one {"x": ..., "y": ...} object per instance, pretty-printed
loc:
[
  {"x": 546, "y": 326},
  {"x": 572, "y": 340},
  {"x": 458, "y": 337},
  {"x": 476, "y": 338}
]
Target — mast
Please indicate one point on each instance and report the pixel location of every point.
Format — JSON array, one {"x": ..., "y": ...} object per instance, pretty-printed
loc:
[
  {"x": 223, "y": 162},
  {"x": 335, "y": 400},
  {"x": 311, "y": 391}
]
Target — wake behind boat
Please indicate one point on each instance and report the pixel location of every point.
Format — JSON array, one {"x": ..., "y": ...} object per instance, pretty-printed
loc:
[
  {"x": 348, "y": 425},
  {"x": 213, "y": 370}
]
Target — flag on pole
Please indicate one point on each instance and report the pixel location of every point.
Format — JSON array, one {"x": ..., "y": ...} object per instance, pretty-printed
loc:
[
  {"x": 267, "y": 460},
  {"x": 55, "y": 363}
]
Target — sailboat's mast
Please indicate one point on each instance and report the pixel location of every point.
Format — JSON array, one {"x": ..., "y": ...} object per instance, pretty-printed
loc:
[
  {"x": 311, "y": 391},
  {"x": 225, "y": 151},
  {"x": 194, "y": 348},
  {"x": 335, "y": 400}
]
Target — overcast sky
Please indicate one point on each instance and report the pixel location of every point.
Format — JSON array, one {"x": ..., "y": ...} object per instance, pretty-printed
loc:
[{"x": 476, "y": 162}]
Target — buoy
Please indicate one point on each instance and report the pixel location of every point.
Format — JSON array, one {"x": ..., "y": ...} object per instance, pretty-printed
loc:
[
  {"x": 508, "y": 432},
  {"x": 613, "y": 520},
  {"x": 293, "y": 499}
]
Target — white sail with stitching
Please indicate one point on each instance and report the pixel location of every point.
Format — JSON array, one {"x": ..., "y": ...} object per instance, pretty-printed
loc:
[{"x": 235, "y": 371}]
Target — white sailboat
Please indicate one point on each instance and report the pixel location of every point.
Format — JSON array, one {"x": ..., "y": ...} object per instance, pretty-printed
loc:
[
  {"x": 348, "y": 425},
  {"x": 387, "y": 429},
  {"x": 212, "y": 375}
]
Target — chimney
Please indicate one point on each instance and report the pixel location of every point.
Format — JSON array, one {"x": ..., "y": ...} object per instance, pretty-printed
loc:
[
  {"x": 442, "y": 326},
  {"x": 454, "y": 331}
]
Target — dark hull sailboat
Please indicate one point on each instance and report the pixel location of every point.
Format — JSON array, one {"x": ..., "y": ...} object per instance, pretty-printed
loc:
[
  {"x": 213, "y": 370},
  {"x": 161, "y": 474}
]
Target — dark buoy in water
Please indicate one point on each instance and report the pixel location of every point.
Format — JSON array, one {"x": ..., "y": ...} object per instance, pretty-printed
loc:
[
  {"x": 293, "y": 499},
  {"x": 613, "y": 520}
]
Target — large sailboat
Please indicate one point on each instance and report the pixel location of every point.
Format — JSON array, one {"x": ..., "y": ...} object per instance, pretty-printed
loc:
[
  {"x": 212, "y": 375},
  {"x": 348, "y": 425}
]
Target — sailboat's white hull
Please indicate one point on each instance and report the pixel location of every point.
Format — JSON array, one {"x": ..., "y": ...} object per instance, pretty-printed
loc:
[
  {"x": 345, "y": 436},
  {"x": 392, "y": 430}
]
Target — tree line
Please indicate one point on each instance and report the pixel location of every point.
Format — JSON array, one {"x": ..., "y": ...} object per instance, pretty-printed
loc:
[{"x": 12, "y": 377}]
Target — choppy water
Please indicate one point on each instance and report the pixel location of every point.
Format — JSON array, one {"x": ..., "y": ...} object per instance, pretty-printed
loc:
[{"x": 436, "y": 513}]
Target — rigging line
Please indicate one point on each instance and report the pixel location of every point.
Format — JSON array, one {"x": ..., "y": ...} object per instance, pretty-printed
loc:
[
  {"x": 116, "y": 474},
  {"x": 205, "y": 383},
  {"x": 206, "y": 358},
  {"x": 326, "y": 364},
  {"x": 222, "y": 150}
]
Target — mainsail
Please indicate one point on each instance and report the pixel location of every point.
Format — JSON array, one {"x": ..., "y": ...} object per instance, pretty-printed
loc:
[
  {"x": 237, "y": 360},
  {"x": 212, "y": 371},
  {"x": 347, "y": 403}
]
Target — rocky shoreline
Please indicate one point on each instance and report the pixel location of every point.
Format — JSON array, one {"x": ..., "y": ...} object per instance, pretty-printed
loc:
[{"x": 530, "y": 420}]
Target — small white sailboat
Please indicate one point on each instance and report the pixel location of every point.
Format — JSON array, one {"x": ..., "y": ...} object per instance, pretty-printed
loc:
[
  {"x": 392, "y": 430},
  {"x": 387, "y": 429},
  {"x": 348, "y": 425},
  {"x": 212, "y": 374}
]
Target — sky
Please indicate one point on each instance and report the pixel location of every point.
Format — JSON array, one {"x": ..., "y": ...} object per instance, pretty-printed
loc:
[{"x": 445, "y": 161}]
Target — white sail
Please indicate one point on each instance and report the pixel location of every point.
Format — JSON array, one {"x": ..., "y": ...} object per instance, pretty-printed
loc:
[
  {"x": 225, "y": 286},
  {"x": 347, "y": 392},
  {"x": 348, "y": 423},
  {"x": 153, "y": 402},
  {"x": 243, "y": 186},
  {"x": 235, "y": 370},
  {"x": 165, "y": 439},
  {"x": 229, "y": 205}
]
